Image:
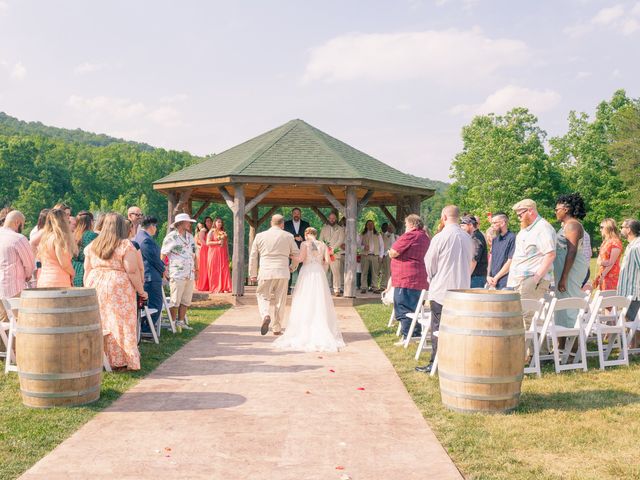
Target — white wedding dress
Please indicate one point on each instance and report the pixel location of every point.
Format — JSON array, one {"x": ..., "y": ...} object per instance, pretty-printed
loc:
[{"x": 313, "y": 323}]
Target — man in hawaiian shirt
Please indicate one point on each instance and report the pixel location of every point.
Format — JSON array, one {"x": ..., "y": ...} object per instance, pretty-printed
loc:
[{"x": 180, "y": 248}]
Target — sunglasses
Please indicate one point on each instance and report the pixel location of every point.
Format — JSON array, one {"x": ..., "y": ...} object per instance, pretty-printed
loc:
[{"x": 522, "y": 212}]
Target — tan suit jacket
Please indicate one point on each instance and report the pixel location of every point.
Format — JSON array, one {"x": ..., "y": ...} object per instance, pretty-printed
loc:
[{"x": 273, "y": 247}]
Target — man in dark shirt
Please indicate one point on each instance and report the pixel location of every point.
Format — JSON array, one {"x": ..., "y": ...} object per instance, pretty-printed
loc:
[
  {"x": 480, "y": 261},
  {"x": 502, "y": 248}
]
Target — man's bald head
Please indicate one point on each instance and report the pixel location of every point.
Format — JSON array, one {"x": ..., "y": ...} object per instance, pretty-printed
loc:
[
  {"x": 277, "y": 220},
  {"x": 14, "y": 221},
  {"x": 450, "y": 214}
]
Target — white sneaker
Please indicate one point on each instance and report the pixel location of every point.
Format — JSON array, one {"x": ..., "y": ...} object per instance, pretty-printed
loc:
[
  {"x": 184, "y": 326},
  {"x": 399, "y": 343}
]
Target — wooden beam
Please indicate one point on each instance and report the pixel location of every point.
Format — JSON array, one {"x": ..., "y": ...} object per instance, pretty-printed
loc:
[
  {"x": 183, "y": 201},
  {"x": 351, "y": 212},
  {"x": 333, "y": 200},
  {"x": 389, "y": 215},
  {"x": 237, "y": 277},
  {"x": 202, "y": 208},
  {"x": 400, "y": 215},
  {"x": 249, "y": 220},
  {"x": 227, "y": 197},
  {"x": 256, "y": 200},
  {"x": 172, "y": 200},
  {"x": 365, "y": 200},
  {"x": 320, "y": 215},
  {"x": 271, "y": 211}
]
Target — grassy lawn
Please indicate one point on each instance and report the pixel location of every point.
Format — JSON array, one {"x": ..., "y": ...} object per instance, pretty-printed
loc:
[
  {"x": 568, "y": 426},
  {"x": 26, "y": 434}
]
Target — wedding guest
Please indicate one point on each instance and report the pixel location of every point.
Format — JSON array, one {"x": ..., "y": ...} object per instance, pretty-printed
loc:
[
  {"x": 63, "y": 206},
  {"x": 83, "y": 236},
  {"x": 154, "y": 267},
  {"x": 36, "y": 232},
  {"x": 134, "y": 215},
  {"x": 203, "y": 258},
  {"x": 502, "y": 249},
  {"x": 531, "y": 270},
  {"x": 408, "y": 272},
  {"x": 72, "y": 223},
  {"x": 99, "y": 221},
  {"x": 133, "y": 229},
  {"x": 372, "y": 252},
  {"x": 16, "y": 258},
  {"x": 296, "y": 227},
  {"x": 3, "y": 214},
  {"x": 569, "y": 266},
  {"x": 218, "y": 264},
  {"x": 629, "y": 281},
  {"x": 111, "y": 267},
  {"x": 479, "y": 262},
  {"x": 388, "y": 239},
  {"x": 57, "y": 248},
  {"x": 609, "y": 256},
  {"x": 333, "y": 235},
  {"x": 448, "y": 263},
  {"x": 180, "y": 249}
]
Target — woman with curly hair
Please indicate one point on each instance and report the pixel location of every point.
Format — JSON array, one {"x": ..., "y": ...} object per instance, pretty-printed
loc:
[
  {"x": 609, "y": 256},
  {"x": 570, "y": 265}
]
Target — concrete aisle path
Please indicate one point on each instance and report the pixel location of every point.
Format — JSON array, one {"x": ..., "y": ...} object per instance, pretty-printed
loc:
[{"x": 228, "y": 406}]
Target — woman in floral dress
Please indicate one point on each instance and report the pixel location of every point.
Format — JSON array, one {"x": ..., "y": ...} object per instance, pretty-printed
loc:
[
  {"x": 609, "y": 256},
  {"x": 111, "y": 268},
  {"x": 218, "y": 265}
]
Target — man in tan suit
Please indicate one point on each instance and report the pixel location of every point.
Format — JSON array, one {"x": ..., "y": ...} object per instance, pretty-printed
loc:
[
  {"x": 274, "y": 247},
  {"x": 333, "y": 234}
]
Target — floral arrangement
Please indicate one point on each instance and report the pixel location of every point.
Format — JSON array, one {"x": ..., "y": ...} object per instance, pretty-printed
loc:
[{"x": 221, "y": 234}]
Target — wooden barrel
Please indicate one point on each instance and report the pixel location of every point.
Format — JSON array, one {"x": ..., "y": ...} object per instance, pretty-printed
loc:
[
  {"x": 481, "y": 350},
  {"x": 59, "y": 347}
]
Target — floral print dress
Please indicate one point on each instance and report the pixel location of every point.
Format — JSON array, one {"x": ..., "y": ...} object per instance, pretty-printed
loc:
[{"x": 117, "y": 301}]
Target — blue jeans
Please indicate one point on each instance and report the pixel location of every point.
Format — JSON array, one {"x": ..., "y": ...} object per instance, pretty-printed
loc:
[
  {"x": 478, "y": 281},
  {"x": 154, "y": 290},
  {"x": 405, "y": 300}
]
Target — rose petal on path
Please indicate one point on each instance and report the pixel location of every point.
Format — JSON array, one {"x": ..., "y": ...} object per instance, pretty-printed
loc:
[
  {"x": 360, "y": 388},
  {"x": 332, "y": 370},
  {"x": 339, "y": 467}
]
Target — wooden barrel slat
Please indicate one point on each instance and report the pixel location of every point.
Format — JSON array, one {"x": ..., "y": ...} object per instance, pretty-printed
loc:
[
  {"x": 59, "y": 347},
  {"x": 481, "y": 351}
]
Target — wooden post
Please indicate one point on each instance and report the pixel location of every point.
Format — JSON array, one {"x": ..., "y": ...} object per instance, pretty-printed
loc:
[
  {"x": 351, "y": 213},
  {"x": 237, "y": 277},
  {"x": 415, "y": 204},
  {"x": 253, "y": 226},
  {"x": 171, "y": 207},
  {"x": 400, "y": 215}
]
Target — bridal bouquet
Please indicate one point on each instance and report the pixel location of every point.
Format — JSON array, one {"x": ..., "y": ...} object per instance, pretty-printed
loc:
[
  {"x": 221, "y": 234},
  {"x": 332, "y": 252}
]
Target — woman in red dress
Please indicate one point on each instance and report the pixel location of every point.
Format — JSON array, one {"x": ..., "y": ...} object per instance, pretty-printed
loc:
[
  {"x": 609, "y": 256},
  {"x": 202, "y": 284},
  {"x": 218, "y": 268}
]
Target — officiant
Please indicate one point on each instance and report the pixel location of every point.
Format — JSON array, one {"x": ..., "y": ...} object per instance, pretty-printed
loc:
[{"x": 296, "y": 227}]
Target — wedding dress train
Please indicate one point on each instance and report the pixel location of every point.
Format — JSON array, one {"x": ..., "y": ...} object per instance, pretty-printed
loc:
[{"x": 313, "y": 323}]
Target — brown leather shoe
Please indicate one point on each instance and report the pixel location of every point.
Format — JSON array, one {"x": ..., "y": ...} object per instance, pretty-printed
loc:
[
  {"x": 338, "y": 294},
  {"x": 278, "y": 333},
  {"x": 265, "y": 325}
]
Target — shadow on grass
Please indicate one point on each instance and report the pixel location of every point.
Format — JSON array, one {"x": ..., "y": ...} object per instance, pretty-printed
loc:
[{"x": 576, "y": 401}]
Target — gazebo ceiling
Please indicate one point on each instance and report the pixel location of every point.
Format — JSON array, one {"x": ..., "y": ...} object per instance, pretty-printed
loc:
[{"x": 297, "y": 160}]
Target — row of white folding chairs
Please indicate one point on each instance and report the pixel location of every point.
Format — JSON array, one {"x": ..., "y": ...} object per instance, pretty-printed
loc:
[{"x": 8, "y": 329}]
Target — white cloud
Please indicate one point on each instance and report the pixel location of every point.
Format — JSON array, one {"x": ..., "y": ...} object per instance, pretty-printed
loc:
[
  {"x": 607, "y": 16},
  {"x": 636, "y": 9},
  {"x": 166, "y": 116},
  {"x": 88, "y": 67},
  {"x": 630, "y": 26},
  {"x": 4, "y": 7},
  {"x": 18, "y": 71},
  {"x": 509, "y": 97},
  {"x": 444, "y": 55},
  {"x": 119, "y": 108},
  {"x": 179, "y": 97}
]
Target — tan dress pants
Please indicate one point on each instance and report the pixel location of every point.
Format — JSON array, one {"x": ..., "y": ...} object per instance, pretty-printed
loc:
[
  {"x": 370, "y": 262},
  {"x": 528, "y": 289},
  {"x": 334, "y": 274},
  {"x": 385, "y": 271},
  {"x": 276, "y": 288}
]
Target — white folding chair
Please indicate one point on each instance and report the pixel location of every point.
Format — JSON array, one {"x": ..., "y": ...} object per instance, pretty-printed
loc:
[
  {"x": 434, "y": 368},
  {"x": 8, "y": 332},
  {"x": 569, "y": 334},
  {"x": 632, "y": 327},
  {"x": 146, "y": 312},
  {"x": 422, "y": 310},
  {"x": 166, "y": 309},
  {"x": 425, "y": 323},
  {"x": 531, "y": 336},
  {"x": 600, "y": 324},
  {"x": 105, "y": 359}
]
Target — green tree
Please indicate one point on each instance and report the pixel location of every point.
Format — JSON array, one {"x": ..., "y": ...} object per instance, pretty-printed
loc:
[
  {"x": 625, "y": 150},
  {"x": 503, "y": 161}
]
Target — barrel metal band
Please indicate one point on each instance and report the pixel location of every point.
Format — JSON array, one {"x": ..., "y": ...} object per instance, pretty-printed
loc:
[
  {"x": 482, "y": 333},
  {"x": 474, "y": 314},
  {"x": 484, "y": 297},
  {"x": 56, "y": 330},
  {"x": 483, "y": 380},
  {"x": 59, "y": 376},
  {"x": 43, "y": 311},
  {"x": 53, "y": 293},
  {"x": 470, "y": 396},
  {"x": 67, "y": 394}
]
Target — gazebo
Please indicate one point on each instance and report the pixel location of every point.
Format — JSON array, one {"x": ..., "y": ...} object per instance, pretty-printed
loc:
[{"x": 293, "y": 165}]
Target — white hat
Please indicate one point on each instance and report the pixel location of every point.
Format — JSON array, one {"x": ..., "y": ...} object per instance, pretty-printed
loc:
[{"x": 182, "y": 217}]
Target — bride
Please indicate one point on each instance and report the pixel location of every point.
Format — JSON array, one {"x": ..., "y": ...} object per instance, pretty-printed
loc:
[{"x": 313, "y": 323}]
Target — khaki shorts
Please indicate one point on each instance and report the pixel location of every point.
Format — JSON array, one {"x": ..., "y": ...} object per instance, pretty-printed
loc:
[{"x": 181, "y": 292}]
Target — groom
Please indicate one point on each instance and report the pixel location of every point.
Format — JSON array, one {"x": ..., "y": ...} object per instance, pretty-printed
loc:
[{"x": 274, "y": 247}]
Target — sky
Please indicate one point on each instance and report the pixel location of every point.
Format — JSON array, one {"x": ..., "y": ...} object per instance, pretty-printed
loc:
[{"x": 395, "y": 79}]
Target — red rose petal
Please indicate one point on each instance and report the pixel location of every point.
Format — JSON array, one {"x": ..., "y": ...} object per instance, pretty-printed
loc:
[
  {"x": 332, "y": 370},
  {"x": 339, "y": 467},
  {"x": 308, "y": 392},
  {"x": 361, "y": 388}
]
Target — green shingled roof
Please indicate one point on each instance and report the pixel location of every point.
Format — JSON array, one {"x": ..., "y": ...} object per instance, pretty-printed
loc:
[{"x": 296, "y": 149}]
